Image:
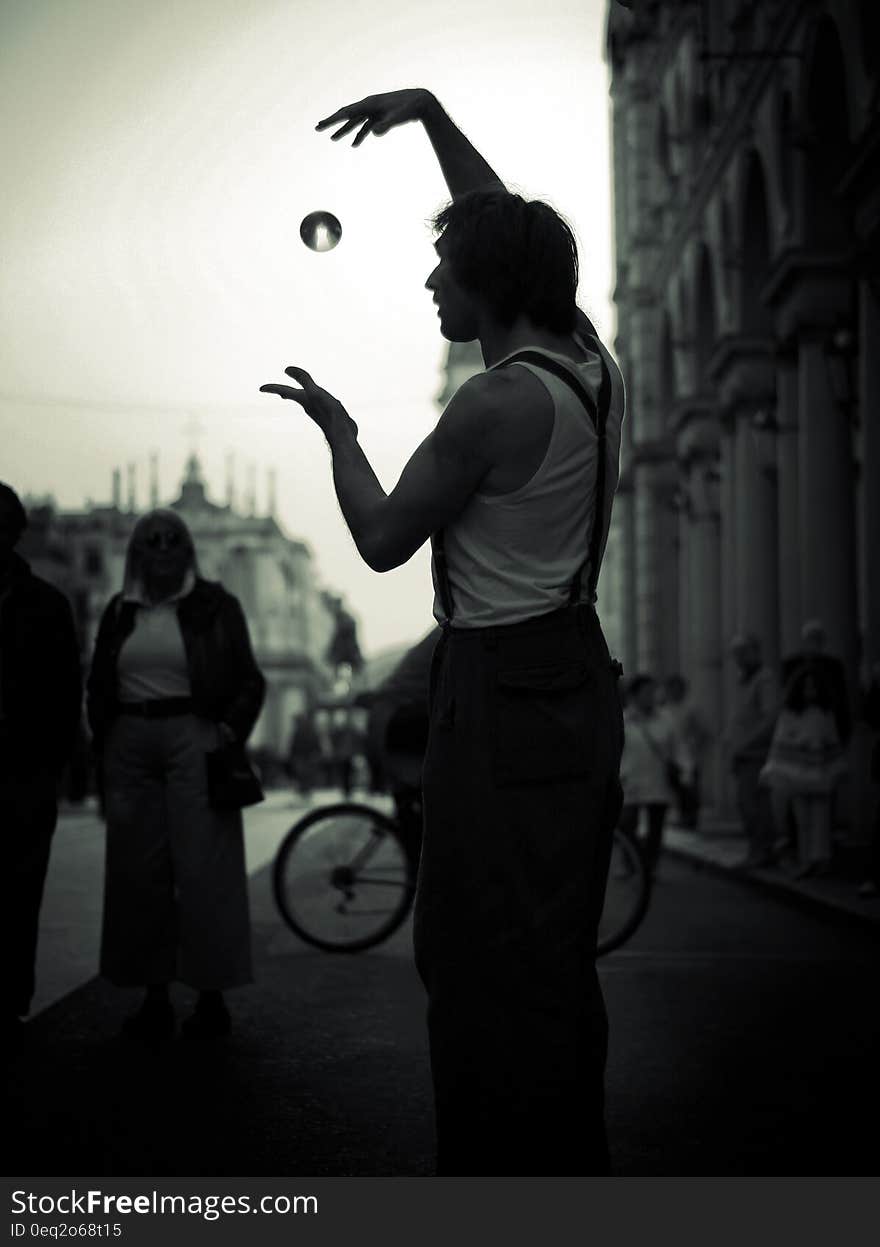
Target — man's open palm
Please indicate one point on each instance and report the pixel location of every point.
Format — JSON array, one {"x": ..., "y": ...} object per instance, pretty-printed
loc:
[
  {"x": 377, "y": 113},
  {"x": 326, "y": 411}
]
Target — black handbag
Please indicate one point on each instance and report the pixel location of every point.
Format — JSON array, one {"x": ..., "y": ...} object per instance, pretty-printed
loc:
[{"x": 232, "y": 781}]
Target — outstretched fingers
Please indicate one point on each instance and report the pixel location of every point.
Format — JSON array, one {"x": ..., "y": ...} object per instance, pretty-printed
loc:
[
  {"x": 341, "y": 114},
  {"x": 346, "y": 129},
  {"x": 300, "y": 375},
  {"x": 284, "y": 391},
  {"x": 365, "y": 129},
  {"x": 364, "y": 114}
]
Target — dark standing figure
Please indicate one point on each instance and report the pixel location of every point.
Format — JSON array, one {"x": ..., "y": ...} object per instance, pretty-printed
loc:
[
  {"x": 173, "y": 677},
  {"x": 830, "y": 676},
  {"x": 40, "y": 705},
  {"x": 747, "y": 740},
  {"x": 305, "y": 754},
  {"x": 649, "y": 750},
  {"x": 343, "y": 743},
  {"x": 830, "y": 671},
  {"x": 520, "y": 783},
  {"x": 691, "y": 739},
  {"x": 806, "y": 763}
]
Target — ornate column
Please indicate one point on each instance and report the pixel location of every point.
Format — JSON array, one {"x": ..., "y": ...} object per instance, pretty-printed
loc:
[
  {"x": 705, "y": 624},
  {"x": 813, "y": 297},
  {"x": 786, "y": 428},
  {"x": 869, "y": 416},
  {"x": 757, "y": 542},
  {"x": 656, "y": 568},
  {"x": 746, "y": 380},
  {"x": 685, "y": 639},
  {"x": 827, "y": 519},
  {"x": 647, "y": 569},
  {"x": 729, "y": 624},
  {"x": 702, "y": 661}
]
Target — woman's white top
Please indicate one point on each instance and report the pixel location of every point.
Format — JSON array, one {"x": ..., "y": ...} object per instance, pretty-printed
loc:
[{"x": 152, "y": 660}]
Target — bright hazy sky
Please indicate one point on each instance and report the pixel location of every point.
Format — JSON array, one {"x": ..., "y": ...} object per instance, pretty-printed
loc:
[{"x": 157, "y": 161}]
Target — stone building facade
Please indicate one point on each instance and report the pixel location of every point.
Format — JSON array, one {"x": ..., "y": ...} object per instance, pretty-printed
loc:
[
  {"x": 746, "y": 168},
  {"x": 292, "y": 620}
]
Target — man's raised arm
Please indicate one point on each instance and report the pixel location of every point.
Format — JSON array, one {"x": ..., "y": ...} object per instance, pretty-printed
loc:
[{"x": 462, "y": 166}]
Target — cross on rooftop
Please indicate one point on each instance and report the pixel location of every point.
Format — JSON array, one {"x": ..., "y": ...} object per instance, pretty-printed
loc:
[{"x": 194, "y": 429}]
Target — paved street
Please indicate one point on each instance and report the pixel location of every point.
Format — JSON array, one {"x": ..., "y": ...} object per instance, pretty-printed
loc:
[{"x": 744, "y": 1040}]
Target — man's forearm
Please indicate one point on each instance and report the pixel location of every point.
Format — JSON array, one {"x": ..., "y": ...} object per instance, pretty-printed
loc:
[
  {"x": 360, "y": 495},
  {"x": 463, "y": 168}
]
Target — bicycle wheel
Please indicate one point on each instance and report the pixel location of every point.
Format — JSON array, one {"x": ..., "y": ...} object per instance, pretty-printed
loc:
[
  {"x": 342, "y": 877},
  {"x": 627, "y": 894}
]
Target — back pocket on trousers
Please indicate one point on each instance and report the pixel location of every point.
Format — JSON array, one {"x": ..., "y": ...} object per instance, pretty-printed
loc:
[{"x": 542, "y": 723}]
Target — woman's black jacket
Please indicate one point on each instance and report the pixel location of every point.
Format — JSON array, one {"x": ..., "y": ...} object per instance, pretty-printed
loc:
[{"x": 227, "y": 685}]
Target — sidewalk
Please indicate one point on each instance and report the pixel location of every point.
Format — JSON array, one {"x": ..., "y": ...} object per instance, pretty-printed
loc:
[{"x": 720, "y": 846}]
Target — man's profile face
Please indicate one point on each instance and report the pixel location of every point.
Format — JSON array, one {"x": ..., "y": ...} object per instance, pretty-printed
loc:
[{"x": 457, "y": 307}]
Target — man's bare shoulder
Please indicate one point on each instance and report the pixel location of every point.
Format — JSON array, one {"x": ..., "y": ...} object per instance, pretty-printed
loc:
[
  {"x": 500, "y": 421},
  {"x": 488, "y": 398}
]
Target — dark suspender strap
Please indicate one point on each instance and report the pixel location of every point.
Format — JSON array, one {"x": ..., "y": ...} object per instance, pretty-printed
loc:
[
  {"x": 438, "y": 550},
  {"x": 598, "y": 413}
]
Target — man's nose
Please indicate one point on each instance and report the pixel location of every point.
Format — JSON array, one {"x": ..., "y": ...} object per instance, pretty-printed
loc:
[{"x": 431, "y": 284}]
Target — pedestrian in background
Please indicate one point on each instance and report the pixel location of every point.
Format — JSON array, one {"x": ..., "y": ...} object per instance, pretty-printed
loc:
[
  {"x": 40, "y": 705},
  {"x": 691, "y": 738},
  {"x": 648, "y": 765},
  {"x": 806, "y": 762},
  {"x": 305, "y": 754},
  {"x": 172, "y": 679},
  {"x": 831, "y": 671},
  {"x": 747, "y": 741},
  {"x": 831, "y": 674}
]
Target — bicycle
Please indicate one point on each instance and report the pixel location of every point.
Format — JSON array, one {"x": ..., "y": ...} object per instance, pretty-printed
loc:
[{"x": 344, "y": 877}]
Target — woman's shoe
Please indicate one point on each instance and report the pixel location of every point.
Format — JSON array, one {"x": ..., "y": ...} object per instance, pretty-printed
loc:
[
  {"x": 208, "y": 1021},
  {"x": 153, "y": 1022}
]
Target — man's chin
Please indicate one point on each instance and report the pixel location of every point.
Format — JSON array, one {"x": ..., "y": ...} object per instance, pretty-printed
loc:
[{"x": 452, "y": 334}]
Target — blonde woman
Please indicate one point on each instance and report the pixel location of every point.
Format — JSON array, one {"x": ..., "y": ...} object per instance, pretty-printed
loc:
[{"x": 172, "y": 678}]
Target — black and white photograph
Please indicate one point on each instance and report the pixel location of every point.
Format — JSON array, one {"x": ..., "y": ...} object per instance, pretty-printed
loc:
[{"x": 439, "y": 597}]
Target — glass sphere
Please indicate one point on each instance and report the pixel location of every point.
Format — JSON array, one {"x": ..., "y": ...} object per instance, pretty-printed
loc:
[{"x": 320, "y": 231}]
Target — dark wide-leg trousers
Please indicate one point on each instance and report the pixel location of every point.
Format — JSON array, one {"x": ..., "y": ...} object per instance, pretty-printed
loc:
[
  {"x": 521, "y": 795},
  {"x": 175, "y": 884}
]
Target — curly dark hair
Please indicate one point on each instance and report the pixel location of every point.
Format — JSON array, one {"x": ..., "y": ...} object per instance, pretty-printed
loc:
[{"x": 519, "y": 255}]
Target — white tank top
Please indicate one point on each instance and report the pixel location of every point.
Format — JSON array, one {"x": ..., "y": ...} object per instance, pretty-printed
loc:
[{"x": 513, "y": 556}]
